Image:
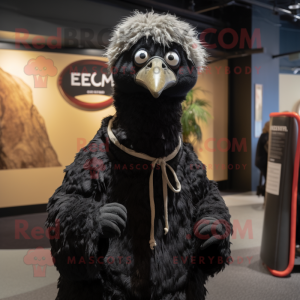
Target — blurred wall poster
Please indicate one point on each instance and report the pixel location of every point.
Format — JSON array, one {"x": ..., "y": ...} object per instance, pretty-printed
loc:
[
  {"x": 258, "y": 109},
  {"x": 49, "y": 102}
]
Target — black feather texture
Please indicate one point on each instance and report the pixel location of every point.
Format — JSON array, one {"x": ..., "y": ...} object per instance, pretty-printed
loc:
[{"x": 92, "y": 266}]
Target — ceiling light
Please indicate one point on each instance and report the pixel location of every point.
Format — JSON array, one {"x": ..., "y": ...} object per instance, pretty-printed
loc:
[{"x": 294, "y": 6}]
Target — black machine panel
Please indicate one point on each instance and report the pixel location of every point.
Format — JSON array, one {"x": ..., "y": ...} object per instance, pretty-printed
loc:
[{"x": 275, "y": 248}]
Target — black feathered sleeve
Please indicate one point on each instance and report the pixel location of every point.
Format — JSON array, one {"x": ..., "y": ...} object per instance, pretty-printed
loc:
[
  {"x": 209, "y": 203},
  {"x": 73, "y": 211}
]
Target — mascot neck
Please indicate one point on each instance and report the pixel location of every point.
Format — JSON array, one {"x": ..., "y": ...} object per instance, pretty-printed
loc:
[{"x": 148, "y": 125}]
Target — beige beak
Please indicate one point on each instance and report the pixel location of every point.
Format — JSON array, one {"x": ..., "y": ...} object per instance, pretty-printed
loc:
[{"x": 156, "y": 77}]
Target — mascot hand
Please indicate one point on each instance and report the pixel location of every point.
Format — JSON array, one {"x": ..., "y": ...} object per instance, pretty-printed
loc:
[
  {"x": 112, "y": 219},
  {"x": 212, "y": 231}
]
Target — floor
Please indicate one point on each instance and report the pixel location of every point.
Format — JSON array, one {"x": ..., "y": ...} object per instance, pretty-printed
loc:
[{"x": 245, "y": 278}]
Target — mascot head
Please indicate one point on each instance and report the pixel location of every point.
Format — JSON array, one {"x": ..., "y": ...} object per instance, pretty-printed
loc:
[{"x": 155, "y": 55}]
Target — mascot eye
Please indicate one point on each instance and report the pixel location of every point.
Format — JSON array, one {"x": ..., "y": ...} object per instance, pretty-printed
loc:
[
  {"x": 141, "y": 57},
  {"x": 172, "y": 59}
]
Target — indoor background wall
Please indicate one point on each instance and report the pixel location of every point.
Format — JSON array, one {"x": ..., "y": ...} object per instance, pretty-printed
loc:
[
  {"x": 268, "y": 75},
  {"x": 289, "y": 91},
  {"x": 265, "y": 71},
  {"x": 213, "y": 86},
  {"x": 240, "y": 123}
]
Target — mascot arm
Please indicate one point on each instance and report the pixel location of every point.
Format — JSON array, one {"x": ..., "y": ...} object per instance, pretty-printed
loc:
[
  {"x": 80, "y": 225},
  {"x": 212, "y": 227}
]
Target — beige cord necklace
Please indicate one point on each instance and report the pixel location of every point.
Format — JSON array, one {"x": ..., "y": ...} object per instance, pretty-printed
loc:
[{"x": 165, "y": 180}]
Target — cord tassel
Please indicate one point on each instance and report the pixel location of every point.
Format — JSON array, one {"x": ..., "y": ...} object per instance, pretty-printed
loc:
[{"x": 165, "y": 180}]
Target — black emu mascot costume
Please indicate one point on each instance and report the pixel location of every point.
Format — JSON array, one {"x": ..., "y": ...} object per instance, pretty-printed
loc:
[{"x": 139, "y": 219}]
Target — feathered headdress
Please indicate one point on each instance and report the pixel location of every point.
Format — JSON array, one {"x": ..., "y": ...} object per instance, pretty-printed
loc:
[{"x": 161, "y": 28}]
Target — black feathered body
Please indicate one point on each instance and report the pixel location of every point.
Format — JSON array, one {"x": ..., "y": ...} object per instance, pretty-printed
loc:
[{"x": 125, "y": 267}]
